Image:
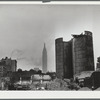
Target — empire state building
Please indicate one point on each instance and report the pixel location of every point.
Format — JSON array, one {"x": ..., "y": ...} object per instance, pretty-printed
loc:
[{"x": 44, "y": 60}]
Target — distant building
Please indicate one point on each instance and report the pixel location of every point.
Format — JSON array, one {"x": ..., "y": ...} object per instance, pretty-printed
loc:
[
  {"x": 13, "y": 65},
  {"x": 98, "y": 64},
  {"x": 7, "y": 65},
  {"x": 44, "y": 60},
  {"x": 36, "y": 69},
  {"x": 37, "y": 77},
  {"x": 2, "y": 69},
  {"x": 74, "y": 56}
]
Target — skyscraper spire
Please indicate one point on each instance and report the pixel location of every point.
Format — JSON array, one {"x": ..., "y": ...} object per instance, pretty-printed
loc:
[
  {"x": 44, "y": 59},
  {"x": 44, "y": 45}
]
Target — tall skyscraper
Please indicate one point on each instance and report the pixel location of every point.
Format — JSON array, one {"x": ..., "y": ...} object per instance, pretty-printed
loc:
[
  {"x": 83, "y": 55},
  {"x": 44, "y": 60},
  {"x": 74, "y": 56},
  {"x": 64, "y": 67}
]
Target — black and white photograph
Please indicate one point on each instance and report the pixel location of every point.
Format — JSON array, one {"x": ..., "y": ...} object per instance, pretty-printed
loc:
[{"x": 49, "y": 47}]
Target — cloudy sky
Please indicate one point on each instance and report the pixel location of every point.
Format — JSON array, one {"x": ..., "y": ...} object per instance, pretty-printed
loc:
[{"x": 25, "y": 28}]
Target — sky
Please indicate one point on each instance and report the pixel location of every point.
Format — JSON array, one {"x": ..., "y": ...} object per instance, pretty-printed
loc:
[{"x": 24, "y": 28}]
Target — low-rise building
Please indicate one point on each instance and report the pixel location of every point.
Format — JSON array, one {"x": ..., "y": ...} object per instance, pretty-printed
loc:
[{"x": 43, "y": 78}]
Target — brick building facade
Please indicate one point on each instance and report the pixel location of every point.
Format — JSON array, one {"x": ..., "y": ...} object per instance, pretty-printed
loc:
[{"x": 7, "y": 65}]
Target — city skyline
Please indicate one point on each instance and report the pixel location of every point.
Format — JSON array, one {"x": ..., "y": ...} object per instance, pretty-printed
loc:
[{"x": 25, "y": 28}]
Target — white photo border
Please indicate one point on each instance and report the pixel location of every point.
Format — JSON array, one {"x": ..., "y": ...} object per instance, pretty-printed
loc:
[{"x": 50, "y": 94}]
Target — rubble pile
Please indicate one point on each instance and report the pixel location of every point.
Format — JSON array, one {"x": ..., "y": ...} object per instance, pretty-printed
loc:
[
  {"x": 73, "y": 86},
  {"x": 33, "y": 87},
  {"x": 84, "y": 89},
  {"x": 98, "y": 89},
  {"x": 53, "y": 86},
  {"x": 37, "y": 86},
  {"x": 57, "y": 84}
]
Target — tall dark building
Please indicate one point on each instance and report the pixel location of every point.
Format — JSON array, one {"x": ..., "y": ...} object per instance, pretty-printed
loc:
[
  {"x": 63, "y": 58},
  {"x": 44, "y": 59},
  {"x": 74, "y": 56},
  {"x": 83, "y": 57}
]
